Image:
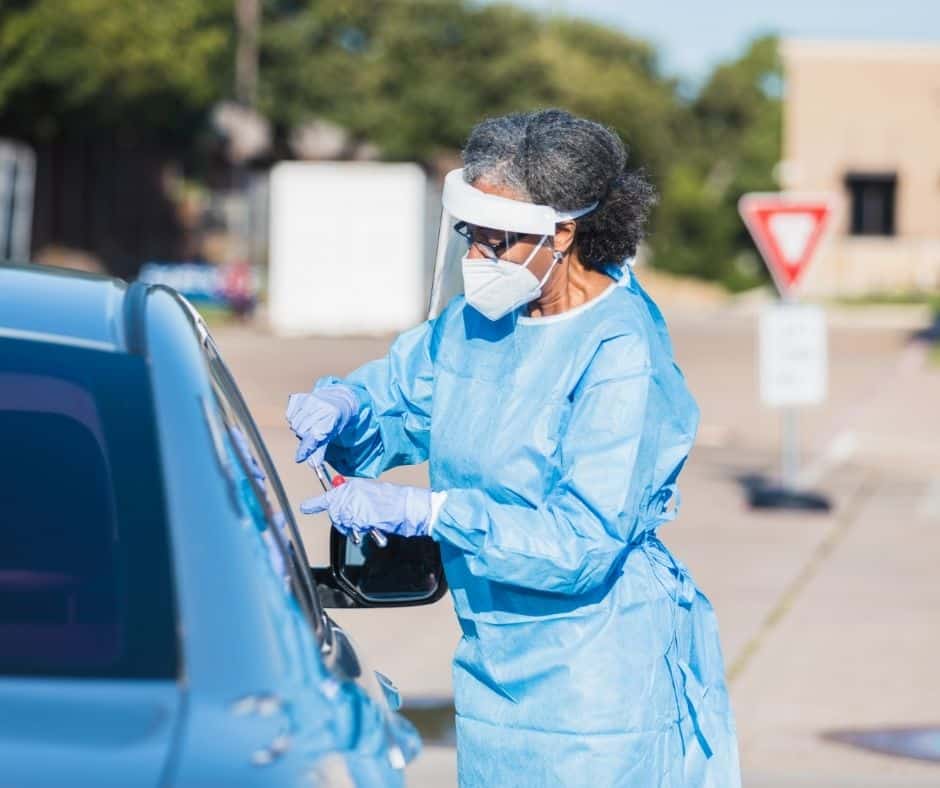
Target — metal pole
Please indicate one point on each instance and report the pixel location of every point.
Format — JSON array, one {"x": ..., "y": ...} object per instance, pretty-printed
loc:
[
  {"x": 22, "y": 226},
  {"x": 790, "y": 446},
  {"x": 7, "y": 198},
  {"x": 248, "y": 16}
]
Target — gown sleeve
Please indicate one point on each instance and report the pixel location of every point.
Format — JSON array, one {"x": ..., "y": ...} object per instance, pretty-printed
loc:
[
  {"x": 393, "y": 425},
  {"x": 572, "y": 541}
]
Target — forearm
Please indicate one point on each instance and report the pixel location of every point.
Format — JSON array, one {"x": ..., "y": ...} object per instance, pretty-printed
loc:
[
  {"x": 357, "y": 450},
  {"x": 392, "y": 426},
  {"x": 559, "y": 547}
]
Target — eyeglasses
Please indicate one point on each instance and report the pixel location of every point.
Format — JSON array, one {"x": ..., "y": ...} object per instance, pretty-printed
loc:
[{"x": 476, "y": 236}]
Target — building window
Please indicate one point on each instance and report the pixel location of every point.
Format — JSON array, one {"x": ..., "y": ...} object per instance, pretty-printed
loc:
[{"x": 873, "y": 198}]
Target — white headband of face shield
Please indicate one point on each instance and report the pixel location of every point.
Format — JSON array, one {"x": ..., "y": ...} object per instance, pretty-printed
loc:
[{"x": 469, "y": 204}]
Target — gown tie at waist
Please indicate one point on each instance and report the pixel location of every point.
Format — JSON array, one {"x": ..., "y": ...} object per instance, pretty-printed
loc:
[{"x": 687, "y": 689}]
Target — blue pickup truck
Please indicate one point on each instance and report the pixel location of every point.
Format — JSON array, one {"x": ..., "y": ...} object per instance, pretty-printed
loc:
[{"x": 160, "y": 623}]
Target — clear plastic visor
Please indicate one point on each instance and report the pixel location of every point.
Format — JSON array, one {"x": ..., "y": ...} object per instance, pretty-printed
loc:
[
  {"x": 491, "y": 224},
  {"x": 456, "y": 239}
]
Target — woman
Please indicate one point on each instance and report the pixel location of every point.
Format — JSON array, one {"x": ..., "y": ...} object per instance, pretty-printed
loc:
[{"x": 556, "y": 423}]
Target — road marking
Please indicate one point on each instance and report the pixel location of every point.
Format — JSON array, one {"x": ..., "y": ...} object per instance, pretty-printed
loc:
[
  {"x": 846, "y": 516},
  {"x": 837, "y": 452},
  {"x": 713, "y": 436},
  {"x": 847, "y": 441}
]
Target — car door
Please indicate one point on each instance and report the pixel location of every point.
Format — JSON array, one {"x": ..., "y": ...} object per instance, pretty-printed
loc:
[
  {"x": 89, "y": 648},
  {"x": 373, "y": 743}
]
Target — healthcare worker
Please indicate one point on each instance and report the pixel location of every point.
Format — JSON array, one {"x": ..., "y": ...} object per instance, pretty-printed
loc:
[{"x": 556, "y": 422}]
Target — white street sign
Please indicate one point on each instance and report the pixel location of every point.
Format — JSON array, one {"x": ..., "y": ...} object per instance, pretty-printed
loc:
[{"x": 793, "y": 355}]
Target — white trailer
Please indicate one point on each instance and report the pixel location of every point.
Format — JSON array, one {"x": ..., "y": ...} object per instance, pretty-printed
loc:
[{"x": 347, "y": 248}]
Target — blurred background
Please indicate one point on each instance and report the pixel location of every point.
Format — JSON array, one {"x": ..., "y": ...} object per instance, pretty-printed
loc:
[{"x": 280, "y": 162}]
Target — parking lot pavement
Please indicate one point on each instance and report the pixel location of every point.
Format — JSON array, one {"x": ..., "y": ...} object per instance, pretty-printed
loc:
[
  {"x": 828, "y": 621},
  {"x": 854, "y": 648}
]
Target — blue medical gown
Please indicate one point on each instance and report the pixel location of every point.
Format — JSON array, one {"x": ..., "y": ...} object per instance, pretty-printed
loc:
[{"x": 588, "y": 655}]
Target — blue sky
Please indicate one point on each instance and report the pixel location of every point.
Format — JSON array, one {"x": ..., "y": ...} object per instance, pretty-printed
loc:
[{"x": 694, "y": 35}]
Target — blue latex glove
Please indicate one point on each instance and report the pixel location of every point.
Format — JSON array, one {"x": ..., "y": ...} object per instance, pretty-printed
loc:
[
  {"x": 361, "y": 504},
  {"x": 318, "y": 417}
]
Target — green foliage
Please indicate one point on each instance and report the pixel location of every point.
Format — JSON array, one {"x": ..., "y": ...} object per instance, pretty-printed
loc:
[
  {"x": 93, "y": 63},
  {"x": 411, "y": 77},
  {"x": 607, "y": 76},
  {"x": 732, "y": 144}
]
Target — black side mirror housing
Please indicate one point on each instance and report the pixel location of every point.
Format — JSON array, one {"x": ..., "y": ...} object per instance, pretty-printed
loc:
[{"x": 408, "y": 571}]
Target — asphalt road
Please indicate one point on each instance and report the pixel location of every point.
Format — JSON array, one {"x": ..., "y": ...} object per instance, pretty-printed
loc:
[{"x": 828, "y": 621}]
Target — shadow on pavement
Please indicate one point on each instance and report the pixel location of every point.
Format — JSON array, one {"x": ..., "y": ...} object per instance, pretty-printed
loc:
[
  {"x": 931, "y": 333},
  {"x": 765, "y": 493},
  {"x": 921, "y": 743},
  {"x": 434, "y": 719}
]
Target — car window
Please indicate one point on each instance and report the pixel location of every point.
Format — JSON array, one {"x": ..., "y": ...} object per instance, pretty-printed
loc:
[
  {"x": 286, "y": 550},
  {"x": 86, "y": 587},
  {"x": 250, "y": 485}
]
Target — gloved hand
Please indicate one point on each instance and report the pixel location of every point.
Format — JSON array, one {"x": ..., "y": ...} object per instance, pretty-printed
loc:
[
  {"x": 361, "y": 504},
  {"x": 318, "y": 417}
]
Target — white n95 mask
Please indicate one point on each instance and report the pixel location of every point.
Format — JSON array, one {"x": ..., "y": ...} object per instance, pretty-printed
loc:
[{"x": 496, "y": 287}]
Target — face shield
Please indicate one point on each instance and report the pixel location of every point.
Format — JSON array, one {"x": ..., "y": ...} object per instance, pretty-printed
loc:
[{"x": 492, "y": 223}]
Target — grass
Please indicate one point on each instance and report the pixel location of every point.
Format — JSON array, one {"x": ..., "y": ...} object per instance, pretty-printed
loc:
[{"x": 893, "y": 299}]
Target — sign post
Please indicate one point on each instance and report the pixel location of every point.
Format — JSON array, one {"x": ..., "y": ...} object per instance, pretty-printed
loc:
[{"x": 788, "y": 228}]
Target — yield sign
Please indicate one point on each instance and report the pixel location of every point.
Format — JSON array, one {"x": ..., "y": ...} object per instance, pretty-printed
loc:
[{"x": 787, "y": 228}]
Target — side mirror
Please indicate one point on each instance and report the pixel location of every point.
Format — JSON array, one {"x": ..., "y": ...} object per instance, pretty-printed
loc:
[{"x": 407, "y": 571}]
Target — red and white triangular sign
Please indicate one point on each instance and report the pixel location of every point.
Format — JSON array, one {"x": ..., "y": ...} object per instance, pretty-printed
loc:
[{"x": 787, "y": 228}]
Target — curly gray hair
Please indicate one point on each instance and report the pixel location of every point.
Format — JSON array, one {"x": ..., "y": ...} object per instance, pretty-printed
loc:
[{"x": 553, "y": 158}]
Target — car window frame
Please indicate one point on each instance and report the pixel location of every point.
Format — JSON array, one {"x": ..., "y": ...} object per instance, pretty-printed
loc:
[
  {"x": 296, "y": 560},
  {"x": 223, "y": 426}
]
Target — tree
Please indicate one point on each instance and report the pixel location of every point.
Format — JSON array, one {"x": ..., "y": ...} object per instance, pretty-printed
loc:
[
  {"x": 414, "y": 77},
  {"x": 732, "y": 146},
  {"x": 610, "y": 77},
  {"x": 147, "y": 65},
  {"x": 410, "y": 77}
]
